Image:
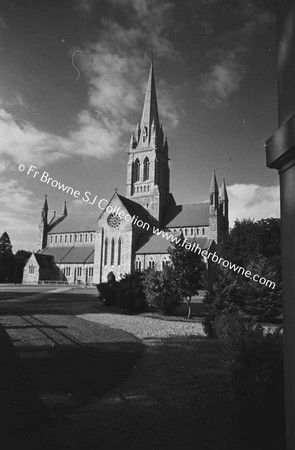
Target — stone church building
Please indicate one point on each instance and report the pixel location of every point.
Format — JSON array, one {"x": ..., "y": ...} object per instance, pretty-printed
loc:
[{"x": 85, "y": 249}]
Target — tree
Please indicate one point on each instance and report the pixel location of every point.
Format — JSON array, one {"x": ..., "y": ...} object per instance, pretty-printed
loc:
[
  {"x": 249, "y": 238},
  {"x": 233, "y": 293},
  {"x": 158, "y": 289},
  {"x": 6, "y": 259},
  {"x": 187, "y": 272},
  {"x": 262, "y": 302}
]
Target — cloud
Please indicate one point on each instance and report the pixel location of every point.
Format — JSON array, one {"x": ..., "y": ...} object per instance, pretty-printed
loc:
[
  {"x": 223, "y": 79},
  {"x": 24, "y": 143},
  {"x": 20, "y": 216},
  {"x": 253, "y": 201},
  {"x": 115, "y": 69},
  {"x": 85, "y": 6},
  {"x": 244, "y": 21}
]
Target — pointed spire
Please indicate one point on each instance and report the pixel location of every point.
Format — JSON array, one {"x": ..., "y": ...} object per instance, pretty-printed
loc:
[
  {"x": 45, "y": 206},
  {"x": 214, "y": 185},
  {"x": 44, "y": 211},
  {"x": 150, "y": 108},
  {"x": 65, "y": 211},
  {"x": 223, "y": 192}
]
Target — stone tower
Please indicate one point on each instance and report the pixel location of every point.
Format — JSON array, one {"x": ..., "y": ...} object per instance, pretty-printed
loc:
[
  {"x": 148, "y": 174},
  {"x": 218, "y": 210}
]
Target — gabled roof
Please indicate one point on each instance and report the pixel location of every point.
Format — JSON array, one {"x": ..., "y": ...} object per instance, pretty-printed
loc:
[
  {"x": 74, "y": 223},
  {"x": 68, "y": 255},
  {"x": 135, "y": 209},
  {"x": 159, "y": 245},
  {"x": 196, "y": 215},
  {"x": 44, "y": 261}
]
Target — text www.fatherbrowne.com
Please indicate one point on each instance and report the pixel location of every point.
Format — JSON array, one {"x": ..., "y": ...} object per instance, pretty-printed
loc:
[{"x": 194, "y": 247}]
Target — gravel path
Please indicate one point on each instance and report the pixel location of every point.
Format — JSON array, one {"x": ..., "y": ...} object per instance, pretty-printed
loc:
[{"x": 146, "y": 328}]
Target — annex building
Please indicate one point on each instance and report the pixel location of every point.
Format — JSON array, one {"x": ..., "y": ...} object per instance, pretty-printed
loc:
[{"x": 84, "y": 249}]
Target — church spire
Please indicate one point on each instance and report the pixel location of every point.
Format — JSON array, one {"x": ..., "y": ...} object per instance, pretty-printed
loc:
[
  {"x": 44, "y": 212},
  {"x": 214, "y": 185},
  {"x": 214, "y": 195},
  {"x": 150, "y": 112},
  {"x": 223, "y": 192}
]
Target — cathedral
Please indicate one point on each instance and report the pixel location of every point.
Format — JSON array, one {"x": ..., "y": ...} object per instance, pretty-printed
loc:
[{"x": 80, "y": 249}]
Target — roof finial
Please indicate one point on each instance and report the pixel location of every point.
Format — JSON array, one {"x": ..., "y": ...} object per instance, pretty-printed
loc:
[{"x": 65, "y": 212}]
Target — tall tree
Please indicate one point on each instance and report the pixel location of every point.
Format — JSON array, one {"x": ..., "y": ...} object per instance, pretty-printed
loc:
[
  {"x": 249, "y": 238},
  {"x": 188, "y": 269},
  {"x": 6, "y": 259}
]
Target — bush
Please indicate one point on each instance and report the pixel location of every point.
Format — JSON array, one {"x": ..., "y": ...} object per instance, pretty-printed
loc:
[
  {"x": 208, "y": 326},
  {"x": 126, "y": 294},
  {"x": 130, "y": 293},
  {"x": 107, "y": 293},
  {"x": 159, "y": 292},
  {"x": 234, "y": 293},
  {"x": 225, "y": 295},
  {"x": 254, "y": 367}
]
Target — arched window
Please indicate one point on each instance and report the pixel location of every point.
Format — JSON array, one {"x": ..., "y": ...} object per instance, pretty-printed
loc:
[
  {"x": 81, "y": 237},
  {"x": 119, "y": 251},
  {"x": 71, "y": 237},
  {"x": 198, "y": 231},
  {"x": 151, "y": 264},
  {"x": 136, "y": 170},
  {"x": 112, "y": 252},
  {"x": 146, "y": 169},
  {"x": 51, "y": 239},
  {"x": 66, "y": 238},
  {"x": 185, "y": 232},
  {"x": 192, "y": 231},
  {"x": 203, "y": 231},
  {"x": 55, "y": 239},
  {"x": 60, "y": 239},
  {"x": 105, "y": 252},
  {"x": 86, "y": 237}
]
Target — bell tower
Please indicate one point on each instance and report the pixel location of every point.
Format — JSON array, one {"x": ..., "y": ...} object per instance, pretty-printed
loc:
[{"x": 148, "y": 174}]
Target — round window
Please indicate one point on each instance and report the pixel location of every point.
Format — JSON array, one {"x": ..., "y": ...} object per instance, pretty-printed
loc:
[{"x": 113, "y": 221}]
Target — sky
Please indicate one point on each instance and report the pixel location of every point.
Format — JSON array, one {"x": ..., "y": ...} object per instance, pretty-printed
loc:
[{"x": 72, "y": 81}]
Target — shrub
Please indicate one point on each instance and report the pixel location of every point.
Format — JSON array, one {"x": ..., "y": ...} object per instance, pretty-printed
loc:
[
  {"x": 107, "y": 293},
  {"x": 254, "y": 367},
  {"x": 263, "y": 303},
  {"x": 225, "y": 295},
  {"x": 232, "y": 293},
  {"x": 130, "y": 293},
  {"x": 159, "y": 292}
]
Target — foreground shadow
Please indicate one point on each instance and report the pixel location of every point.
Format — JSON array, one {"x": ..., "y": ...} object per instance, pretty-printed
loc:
[{"x": 41, "y": 385}]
